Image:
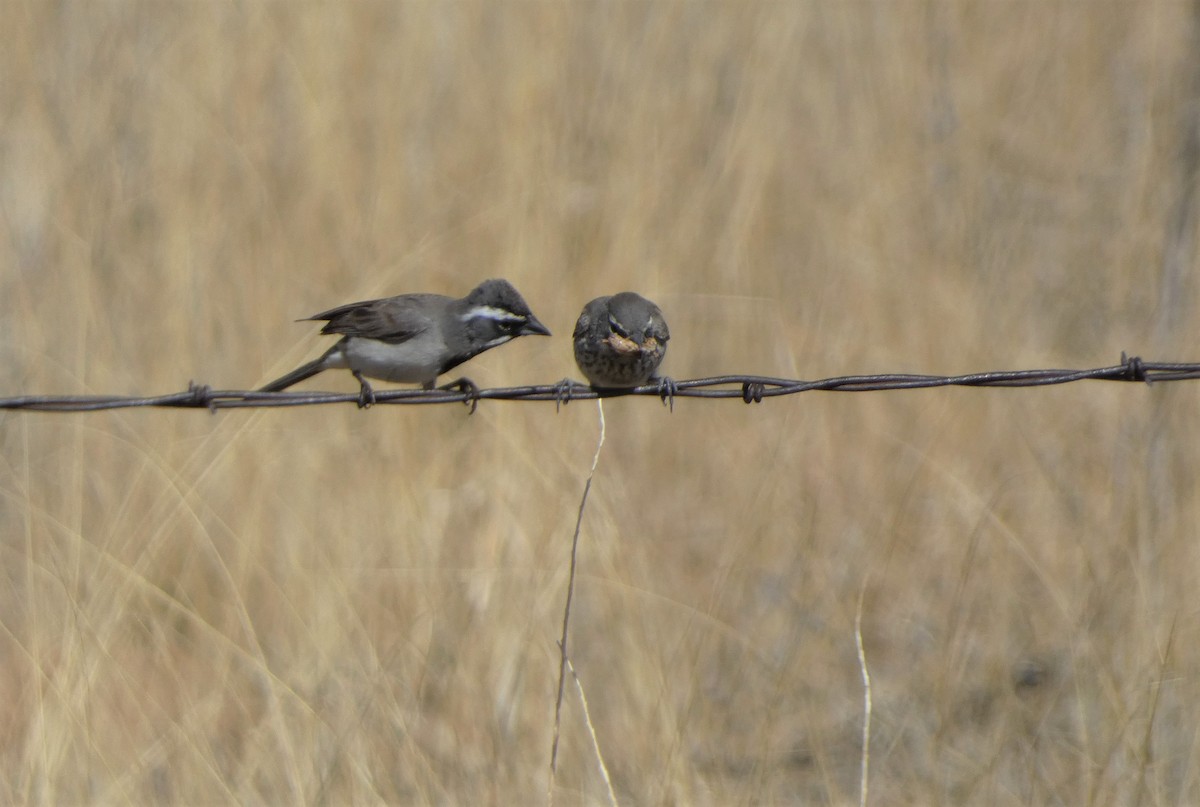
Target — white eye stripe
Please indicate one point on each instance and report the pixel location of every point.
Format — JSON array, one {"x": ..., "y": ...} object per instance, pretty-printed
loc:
[{"x": 489, "y": 312}]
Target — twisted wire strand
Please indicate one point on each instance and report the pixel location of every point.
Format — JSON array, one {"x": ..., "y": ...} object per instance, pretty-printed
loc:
[{"x": 749, "y": 388}]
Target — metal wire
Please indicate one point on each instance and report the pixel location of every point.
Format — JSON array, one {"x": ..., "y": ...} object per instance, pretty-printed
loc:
[{"x": 749, "y": 388}]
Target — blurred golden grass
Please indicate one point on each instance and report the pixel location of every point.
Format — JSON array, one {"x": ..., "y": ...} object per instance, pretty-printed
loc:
[{"x": 333, "y": 606}]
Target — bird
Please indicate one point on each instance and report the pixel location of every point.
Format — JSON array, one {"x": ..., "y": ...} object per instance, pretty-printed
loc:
[
  {"x": 620, "y": 340},
  {"x": 414, "y": 338}
]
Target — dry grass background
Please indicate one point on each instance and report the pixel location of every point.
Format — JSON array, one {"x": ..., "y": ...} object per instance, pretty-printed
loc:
[{"x": 331, "y": 606}]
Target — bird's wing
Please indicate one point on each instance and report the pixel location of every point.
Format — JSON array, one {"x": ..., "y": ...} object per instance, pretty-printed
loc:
[
  {"x": 593, "y": 312},
  {"x": 659, "y": 329},
  {"x": 392, "y": 319}
]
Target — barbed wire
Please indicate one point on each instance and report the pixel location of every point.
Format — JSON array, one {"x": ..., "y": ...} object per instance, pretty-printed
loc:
[{"x": 749, "y": 388}]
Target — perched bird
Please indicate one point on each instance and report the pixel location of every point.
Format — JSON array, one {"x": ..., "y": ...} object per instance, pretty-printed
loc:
[
  {"x": 414, "y": 338},
  {"x": 620, "y": 341}
]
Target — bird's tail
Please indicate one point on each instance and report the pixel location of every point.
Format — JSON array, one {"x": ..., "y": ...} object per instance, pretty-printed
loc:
[{"x": 296, "y": 376}]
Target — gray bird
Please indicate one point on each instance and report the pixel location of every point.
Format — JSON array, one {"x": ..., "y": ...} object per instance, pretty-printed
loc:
[
  {"x": 414, "y": 338},
  {"x": 620, "y": 340}
]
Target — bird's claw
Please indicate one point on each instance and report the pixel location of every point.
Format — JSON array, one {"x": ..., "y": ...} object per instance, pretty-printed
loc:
[
  {"x": 467, "y": 387},
  {"x": 563, "y": 392},
  {"x": 667, "y": 388},
  {"x": 366, "y": 395}
]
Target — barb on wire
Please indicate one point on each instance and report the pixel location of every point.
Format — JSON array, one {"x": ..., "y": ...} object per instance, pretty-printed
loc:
[{"x": 749, "y": 388}]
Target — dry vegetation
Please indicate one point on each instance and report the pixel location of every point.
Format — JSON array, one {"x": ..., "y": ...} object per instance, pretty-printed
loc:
[{"x": 330, "y": 606}]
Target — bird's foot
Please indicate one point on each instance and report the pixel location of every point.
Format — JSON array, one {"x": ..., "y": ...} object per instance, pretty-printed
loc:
[
  {"x": 366, "y": 395},
  {"x": 467, "y": 387},
  {"x": 564, "y": 391},
  {"x": 667, "y": 388}
]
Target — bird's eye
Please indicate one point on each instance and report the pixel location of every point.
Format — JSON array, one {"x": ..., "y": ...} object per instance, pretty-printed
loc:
[
  {"x": 616, "y": 327},
  {"x": 509, "y": 322}
]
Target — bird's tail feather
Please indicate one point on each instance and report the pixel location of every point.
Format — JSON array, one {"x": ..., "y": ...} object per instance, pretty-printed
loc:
[{"x": 296, "y": 376}]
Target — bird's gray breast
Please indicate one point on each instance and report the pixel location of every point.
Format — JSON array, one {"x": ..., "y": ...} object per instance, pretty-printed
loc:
[{"x": 415, "y": 361}]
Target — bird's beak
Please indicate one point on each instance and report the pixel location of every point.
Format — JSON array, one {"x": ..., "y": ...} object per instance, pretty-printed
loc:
[{"x": 532, "y": 327}]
